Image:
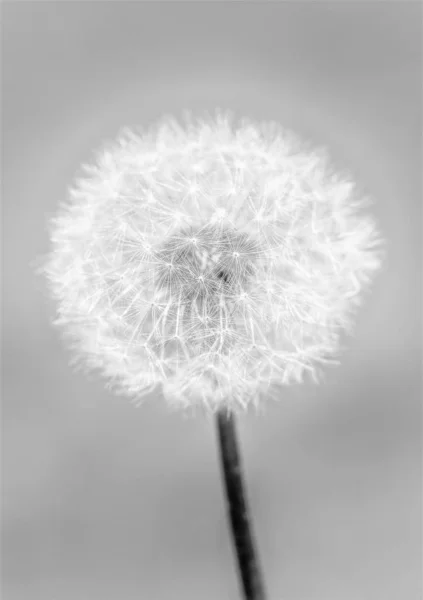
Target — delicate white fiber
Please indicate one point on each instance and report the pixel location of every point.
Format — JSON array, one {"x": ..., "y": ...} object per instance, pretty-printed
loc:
[{"x": 210, "y": 257}]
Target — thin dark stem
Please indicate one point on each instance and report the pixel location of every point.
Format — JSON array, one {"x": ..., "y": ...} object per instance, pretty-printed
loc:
[{"x": 249, "y": 569}]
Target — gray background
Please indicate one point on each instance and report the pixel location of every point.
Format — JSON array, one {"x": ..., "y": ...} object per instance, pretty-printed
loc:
[{"x": 104, "y": 501}]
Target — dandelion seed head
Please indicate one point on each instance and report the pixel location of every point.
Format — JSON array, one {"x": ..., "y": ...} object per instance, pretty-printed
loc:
[{"x": 210, "y": 258}]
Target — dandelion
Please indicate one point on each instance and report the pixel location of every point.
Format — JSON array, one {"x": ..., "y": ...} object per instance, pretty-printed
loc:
[{"x": 212, "y": 259}]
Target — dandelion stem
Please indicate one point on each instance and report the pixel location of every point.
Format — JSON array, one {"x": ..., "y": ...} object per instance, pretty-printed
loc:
[{"x": 249, "y": 569}]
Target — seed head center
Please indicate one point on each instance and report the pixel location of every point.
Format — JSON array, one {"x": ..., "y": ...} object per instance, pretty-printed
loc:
[{"x": 209, "y": 260}]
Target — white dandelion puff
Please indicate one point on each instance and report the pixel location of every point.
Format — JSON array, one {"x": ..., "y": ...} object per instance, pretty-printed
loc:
[{"x": 210, "y": 258}]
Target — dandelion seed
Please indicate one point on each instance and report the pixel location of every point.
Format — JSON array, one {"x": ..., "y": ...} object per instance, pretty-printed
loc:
[{"x": 212, "y": 259}]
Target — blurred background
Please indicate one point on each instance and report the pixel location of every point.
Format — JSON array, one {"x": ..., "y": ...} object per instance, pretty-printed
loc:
[{"x": 101, "y": 500}]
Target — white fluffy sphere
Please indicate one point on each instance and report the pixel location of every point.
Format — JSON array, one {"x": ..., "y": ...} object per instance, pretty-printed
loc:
[{"x": 212, "y": 258}]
